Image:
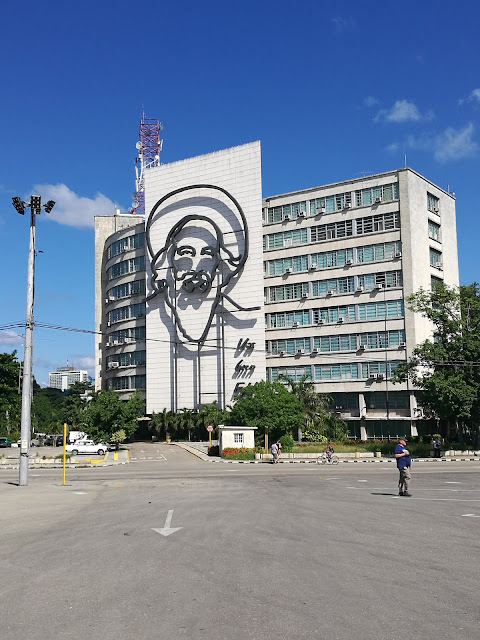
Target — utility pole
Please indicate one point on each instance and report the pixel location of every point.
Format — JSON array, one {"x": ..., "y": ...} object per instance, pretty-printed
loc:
[{"x": 35, "y": 206}]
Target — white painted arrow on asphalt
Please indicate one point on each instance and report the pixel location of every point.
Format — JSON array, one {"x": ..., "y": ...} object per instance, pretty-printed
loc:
[{"x": 167, "y": 529}]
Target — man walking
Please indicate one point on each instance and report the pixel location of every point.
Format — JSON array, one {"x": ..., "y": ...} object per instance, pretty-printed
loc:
[
  {"x": 274, "y": 450},
  {"x": 403, "y": 465}
]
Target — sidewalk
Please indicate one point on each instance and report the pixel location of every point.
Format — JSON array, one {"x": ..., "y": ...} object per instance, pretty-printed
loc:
[{"x": 200, "y": 450}]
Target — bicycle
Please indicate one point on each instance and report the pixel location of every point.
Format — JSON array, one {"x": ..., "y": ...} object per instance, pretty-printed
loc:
[{"x": 324, "y": 459}]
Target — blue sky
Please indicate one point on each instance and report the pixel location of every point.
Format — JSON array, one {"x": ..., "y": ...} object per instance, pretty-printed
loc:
[{"x": 332, "y": 90}]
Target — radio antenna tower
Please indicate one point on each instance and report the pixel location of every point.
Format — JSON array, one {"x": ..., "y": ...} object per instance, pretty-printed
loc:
[{"x": 148, "y": 148}]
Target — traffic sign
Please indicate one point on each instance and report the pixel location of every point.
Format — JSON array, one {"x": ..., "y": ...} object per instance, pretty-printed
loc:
[{"x": 210, "y": 428}]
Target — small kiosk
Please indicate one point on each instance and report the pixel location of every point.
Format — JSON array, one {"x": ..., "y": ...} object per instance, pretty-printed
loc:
[{"x": 235, "y": 437}]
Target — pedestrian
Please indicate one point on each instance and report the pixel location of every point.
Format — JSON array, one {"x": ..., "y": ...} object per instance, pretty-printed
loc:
[
  {"x": 279, "y": 445},
  {"x": 274, "y": 453},
  {"x": 437, "y": 446},
  {"x": 403, "y": 465}
]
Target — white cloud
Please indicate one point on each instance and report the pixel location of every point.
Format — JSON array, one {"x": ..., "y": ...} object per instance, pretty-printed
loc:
[
  {"x": 370, "y": 101},
  {"x": 402, "y": 111},
  {"x": 475, "y": 95},
  {"x": 342, "y": 24},
  {"x": 10, "y": 337},
  {"x": 450, "y": 144},
  {"x": 72, "y": 209},
  {"x": 85, "y": 362}
]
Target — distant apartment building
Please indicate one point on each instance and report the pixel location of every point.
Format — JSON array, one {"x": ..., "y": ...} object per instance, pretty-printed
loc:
[
  {"x": 339, "y": 261},
  {"x": 63, "y": 377}
]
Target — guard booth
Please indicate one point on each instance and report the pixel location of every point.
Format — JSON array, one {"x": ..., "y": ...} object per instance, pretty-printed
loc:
[{"x": 230, "y": 437}]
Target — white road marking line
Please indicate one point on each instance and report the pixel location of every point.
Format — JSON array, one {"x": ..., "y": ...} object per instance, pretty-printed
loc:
[
  {"x": 469, "y": 515},
  {"x": 439, "y": 499},
  {"x": 451, "y": 482},
  {"x": 362, "y": 480},
  {"x": 80, "y": 493}
]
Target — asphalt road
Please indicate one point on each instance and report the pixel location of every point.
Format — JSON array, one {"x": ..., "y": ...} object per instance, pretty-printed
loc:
[{"x": 263, "y": 552}]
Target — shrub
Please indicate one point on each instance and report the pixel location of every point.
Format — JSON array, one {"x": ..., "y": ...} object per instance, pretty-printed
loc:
[
  {"x": 312, "y": 434},
  {"x": 214, "y": 451},
  {"x": 287, "y": 443},
  {"x": 239, "y": 454}
]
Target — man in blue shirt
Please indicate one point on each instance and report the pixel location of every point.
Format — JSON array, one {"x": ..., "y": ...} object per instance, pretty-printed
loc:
[{"x": 403, "y": 465}]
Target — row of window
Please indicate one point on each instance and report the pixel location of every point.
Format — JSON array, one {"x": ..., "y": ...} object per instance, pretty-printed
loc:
[
  {"x": 344, "y": 284},
  {"x": 341, "y": 229},
  {"x": 346, "y": 342},
  {"x": 131, "y": 288},
  {"x": 344, "y": 313},
  {"x": 126, "y": 266},
  {"x": 124, "y": 313},
  {"x": 344, "y": 371},
  {"x": 124, "y": 383},
  {"x": 127, "y": 359},
  {"x": 125, "y": 244},
  {"x": 336, "y": 202},
  {"x": 125, "y": 335},
  {"x": 373, "y": 400},
  {"x": 338, "y": 258}
]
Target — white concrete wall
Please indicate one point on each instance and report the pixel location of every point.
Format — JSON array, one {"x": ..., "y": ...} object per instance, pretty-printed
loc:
[{"x": 178, "y": 374}]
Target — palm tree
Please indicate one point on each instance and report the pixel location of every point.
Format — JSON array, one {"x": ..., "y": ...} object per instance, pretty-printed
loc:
[{"x": 313, "y": 403}]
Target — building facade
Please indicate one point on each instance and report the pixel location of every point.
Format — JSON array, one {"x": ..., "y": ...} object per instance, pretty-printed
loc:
[
  {"x": 63, "y": 377},
  {"x": 339, "y": 262}
]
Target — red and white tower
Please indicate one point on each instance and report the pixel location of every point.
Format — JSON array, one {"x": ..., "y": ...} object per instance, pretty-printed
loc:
[{"x": 148, "y": 147}]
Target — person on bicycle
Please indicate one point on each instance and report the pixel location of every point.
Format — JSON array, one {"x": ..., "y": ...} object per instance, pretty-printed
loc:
[{"x": 329, "y": 450}]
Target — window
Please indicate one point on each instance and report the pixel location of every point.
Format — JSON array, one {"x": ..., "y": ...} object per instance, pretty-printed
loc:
[
  {"x": 369, "y": 369},
  {"x": 277, "y": 214},
  {"x": 434, "y": 282},
  {"x": 378, "y": 400},
  {"x": 286, "y": 238},
  {"x": 335, "y": 371},
  {"x": 334, "y": 314},
  {"x": 287, "y": 292},
  {"x": 291, "y": 346},
  {"x": 381, "y": 340},
  {"x": 331, "y": 231},
  {"x": 434, "y": 230},
  {"x": 386, "y": 192},
  {"x": 343, "y": 401},
  {"x": 126, "y": 266},
  {"x": 377, "y": 310},
  {"x": 326, "y": 259},
  {"x": 433, "y": 203},
  {"x": 279, "y": 320},
  {"x": 381, "y": 251},
  {"x": 388, "y": 279},
  {"x": 132, "y": 242},
  {"x": 337, "y": 285},
  {"x": 128, "y": 288},
  {"x": 435, "y": 258},
  {"x": 294, "y": 373},
  {"x": 238, "y": 438},
  {"x": 325, "y": 344},
  {"x": 381, "y": 222}
]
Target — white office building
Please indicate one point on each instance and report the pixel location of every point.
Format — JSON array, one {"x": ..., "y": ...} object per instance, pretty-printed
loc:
[
  {"x": 63, "y": 377},
  {"x": 339, "y": 261}
]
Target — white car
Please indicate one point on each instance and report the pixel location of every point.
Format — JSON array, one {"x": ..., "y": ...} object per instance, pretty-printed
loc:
[{"x": 87, "y": 446}]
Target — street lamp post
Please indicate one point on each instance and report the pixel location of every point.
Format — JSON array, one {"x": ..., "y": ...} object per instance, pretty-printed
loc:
[{"x": 35, "y": 206}]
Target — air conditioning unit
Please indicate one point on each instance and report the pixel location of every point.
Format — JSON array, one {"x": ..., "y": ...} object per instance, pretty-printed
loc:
[
  {"x": 359, "y": 289},
  {"x": 378, "y": 200},
  {"x": 304, "y": 294},
  {"x": 113, "y": 365},
  {"x": 294, "y": 325},
  {"x": 107, "y": 300},
  {"x": 300, "y": 352},
  {"x": 281, "y": 353},
  {"x": 313, "y": 267},
  {"x": 314, "y": 351},
  {"x": 114, "y": 342},
  {"x": 288, "y": 270},
  {"x": 320, "y": 321},
  {"x": 301, "y": 214},
  {"x": 341, "y": 320},
  {"x": 378, "y": 376},
  {"x": 108, "y": 323},
  {"x": 439, "y": 265},
  {"x": 111, "y": 298},
  {"x": 362, "y": 347},
  {"x": 379, "y": 287},
  {"x": 286, "y": 216},
  {"x": 129, "y": 340},
  {"x": 319, "y": 210},
  {"x": 402, "y": 345},
  {"x": 330, "y": 292},
  {"x": 398, "y": 254},
  {"x": 349, "y": 262},
  {"x": 436, "y": 210},
  {"x": 347, "y": 205}
]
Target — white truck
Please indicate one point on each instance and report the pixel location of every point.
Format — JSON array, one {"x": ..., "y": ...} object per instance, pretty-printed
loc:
[{"x": 74, "y": 436}]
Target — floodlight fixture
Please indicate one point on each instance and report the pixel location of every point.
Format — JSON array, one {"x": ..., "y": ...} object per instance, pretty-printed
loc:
[
  {"x": 35, "y": 204},
  {"x": 49, "y": 206},
  {"x": 19, "y": 205}
]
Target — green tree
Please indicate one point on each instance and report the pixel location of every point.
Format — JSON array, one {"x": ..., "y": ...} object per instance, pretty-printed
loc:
[
  {"x": 105, "y": 414},
  {"x": 47, "y": 409},
  {"x": 75, "y": 401},
  {"x": 268, "y": 404},
  {"x": 10, "y": 400},
  {"x": 447, "y": 367}
]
